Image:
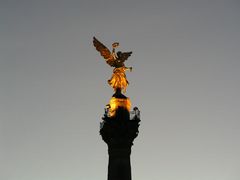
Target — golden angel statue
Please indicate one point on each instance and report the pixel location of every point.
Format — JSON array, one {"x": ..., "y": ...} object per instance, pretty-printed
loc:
[{"x": 118, "y": 80}]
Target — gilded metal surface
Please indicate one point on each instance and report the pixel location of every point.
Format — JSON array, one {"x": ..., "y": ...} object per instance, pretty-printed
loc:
[{"x": 116, "y": 60}]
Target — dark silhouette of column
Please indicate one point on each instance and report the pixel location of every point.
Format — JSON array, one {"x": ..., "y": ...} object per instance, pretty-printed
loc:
[{"x": 119, "y": 133}]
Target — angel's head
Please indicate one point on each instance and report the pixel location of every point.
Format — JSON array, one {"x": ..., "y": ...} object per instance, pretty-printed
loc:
[{"x": 115, "y": 45}]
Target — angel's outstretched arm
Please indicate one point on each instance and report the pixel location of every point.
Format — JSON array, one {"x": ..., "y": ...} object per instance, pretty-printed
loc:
[{"x": 129, "y": 68}]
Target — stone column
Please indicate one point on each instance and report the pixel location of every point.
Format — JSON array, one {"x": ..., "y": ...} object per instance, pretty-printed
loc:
[{"x": 119, "y": 133}]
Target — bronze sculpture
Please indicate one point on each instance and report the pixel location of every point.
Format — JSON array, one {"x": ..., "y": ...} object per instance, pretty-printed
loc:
[{"x": 118, "y": 80}]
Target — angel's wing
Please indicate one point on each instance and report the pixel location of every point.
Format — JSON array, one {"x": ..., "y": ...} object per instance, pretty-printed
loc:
[
  {"x": 123, "y": 56},
  {"x": 104, "y": 51}
]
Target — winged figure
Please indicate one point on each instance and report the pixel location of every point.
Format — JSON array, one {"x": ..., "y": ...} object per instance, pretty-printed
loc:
[
  {"x": 113, "y": 59},
  {"x": 118, "y": 80}
]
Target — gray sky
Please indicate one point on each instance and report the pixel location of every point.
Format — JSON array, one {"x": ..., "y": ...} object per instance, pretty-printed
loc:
[{"x": 53, "y": 87}]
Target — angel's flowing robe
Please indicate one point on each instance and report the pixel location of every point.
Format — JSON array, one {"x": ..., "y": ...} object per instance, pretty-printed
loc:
[{"x": 119, "y": 79}]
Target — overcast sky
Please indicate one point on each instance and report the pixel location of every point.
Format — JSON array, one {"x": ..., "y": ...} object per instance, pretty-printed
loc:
[{"x": 185, "y": 81}]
